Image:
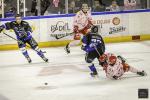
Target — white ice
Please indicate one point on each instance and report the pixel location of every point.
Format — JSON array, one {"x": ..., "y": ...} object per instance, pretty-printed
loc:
[{"x": 68, "y": 76}]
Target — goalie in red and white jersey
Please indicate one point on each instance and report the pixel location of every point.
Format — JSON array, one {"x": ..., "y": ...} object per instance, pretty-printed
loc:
[
  {"x": 82, "y": 24},
  {"x": 115, "y": 66}
]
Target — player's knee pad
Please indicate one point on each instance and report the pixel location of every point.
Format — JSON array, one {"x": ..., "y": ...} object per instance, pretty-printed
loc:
[
  {"x": 33, "y": 43},
  {"x": 88, "y": 60}
]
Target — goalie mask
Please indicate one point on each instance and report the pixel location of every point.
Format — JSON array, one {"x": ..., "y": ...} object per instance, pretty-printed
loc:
[{"x": 85, "y": 7}]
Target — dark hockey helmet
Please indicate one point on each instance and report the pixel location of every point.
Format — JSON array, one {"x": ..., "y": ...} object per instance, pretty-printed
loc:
[
  {"x": 94, "y": 29},
  {"x": 85, "y": 7},
  {"x": 18, "y": 18}
]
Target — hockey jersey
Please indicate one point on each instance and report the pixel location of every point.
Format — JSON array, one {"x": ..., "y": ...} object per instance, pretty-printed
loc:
[{"x": 82, "y": 21}]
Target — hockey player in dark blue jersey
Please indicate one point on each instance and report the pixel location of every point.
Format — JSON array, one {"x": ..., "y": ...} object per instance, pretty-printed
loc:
[
  {"x": 94, "y": 46},
  {"x": 23, "y": 34}
]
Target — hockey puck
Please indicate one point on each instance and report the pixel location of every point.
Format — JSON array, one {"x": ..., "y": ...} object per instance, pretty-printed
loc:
[{"x": 46, "y": 83}]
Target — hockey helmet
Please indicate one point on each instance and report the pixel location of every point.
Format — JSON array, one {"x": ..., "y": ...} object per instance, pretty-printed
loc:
[
  {"x": 94, "y": 29},
  {"x": 85, "y": 7},
  {"x": 112, "y": 60}
]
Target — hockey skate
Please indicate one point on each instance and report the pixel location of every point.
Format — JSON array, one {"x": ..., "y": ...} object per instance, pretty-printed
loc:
[
  {"x": 94, "y": 74},
  {"x": 121, "y": 58},
  {"x": 67, "y": 49},
  {"x": 29, "y": 59},
  {"x": 44, "y": 58},
  {"x": 142, "y": 73}
]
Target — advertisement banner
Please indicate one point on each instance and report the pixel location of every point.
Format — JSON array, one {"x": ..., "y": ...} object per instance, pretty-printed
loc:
[
  {"x": 112, "y": 25},
  {"x": 60, "y": 28}
]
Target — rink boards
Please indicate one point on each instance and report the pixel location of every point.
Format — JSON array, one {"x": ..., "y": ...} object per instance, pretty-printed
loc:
[{"x": 56, "y": 30}]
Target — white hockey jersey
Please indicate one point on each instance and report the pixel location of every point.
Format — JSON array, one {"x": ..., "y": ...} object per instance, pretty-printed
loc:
[
  {"x": 116, "y": 69},
  {"x": 82, "y": 20}
]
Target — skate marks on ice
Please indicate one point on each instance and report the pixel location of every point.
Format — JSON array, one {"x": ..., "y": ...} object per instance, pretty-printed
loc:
[
  {"x": 55, "y": 70},
  {"x": 46, "y": 87}
]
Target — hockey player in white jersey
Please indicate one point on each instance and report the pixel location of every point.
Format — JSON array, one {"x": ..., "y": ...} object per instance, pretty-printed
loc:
[
  {"x": 82, "y": 24},
  {"x": 115, "y": 66}
]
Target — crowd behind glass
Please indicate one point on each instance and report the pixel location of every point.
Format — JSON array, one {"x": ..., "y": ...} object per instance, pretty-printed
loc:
[{"x": 49, "y": 7}]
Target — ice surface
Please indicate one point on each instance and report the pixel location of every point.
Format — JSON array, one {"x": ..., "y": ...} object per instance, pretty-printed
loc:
[{"x": 68, "y": 75}]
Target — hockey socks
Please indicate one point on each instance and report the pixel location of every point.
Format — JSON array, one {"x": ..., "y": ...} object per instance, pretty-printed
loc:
[
  {"x": 134, "y": 70},
  {"x": 25, "y": 53},
  {"x": 40, "y": 53},
  {"x": 93, "y": 70}
]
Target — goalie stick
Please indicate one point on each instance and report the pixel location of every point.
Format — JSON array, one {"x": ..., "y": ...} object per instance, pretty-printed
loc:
[{"x": 19, "y": 41}]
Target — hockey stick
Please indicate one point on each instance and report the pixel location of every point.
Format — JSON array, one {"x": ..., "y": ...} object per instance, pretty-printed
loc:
[
  {"x": 120, "y": 57},
  {"x": 97, "y": 50},
  {"x": 63, "y": 35},
  {"x": 20, "y": 41}
]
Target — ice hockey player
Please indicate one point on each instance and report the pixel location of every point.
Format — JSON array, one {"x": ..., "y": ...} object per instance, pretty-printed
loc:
[
  {"x": 115, "y": 66},
  {"x": 94, "y": 46},
  {"x": 82, "y": 23},
  {"x": 23, "y": 33}
]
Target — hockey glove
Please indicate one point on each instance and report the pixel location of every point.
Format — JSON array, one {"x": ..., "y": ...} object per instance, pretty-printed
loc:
[
  {"x": 76, "y": 30},
  {"x": 115, "y": 77}
]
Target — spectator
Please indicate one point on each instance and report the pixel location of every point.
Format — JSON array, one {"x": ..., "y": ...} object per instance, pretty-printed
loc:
[
  {"x": 44, "y": 5},
  {"x": 56, "y": 7},
  {"x": 11, "y": 12},
  {"x": 33, "y": 7},
  {"x": 98, "y": 7},
  {"x": 114, "y": 6},
  {"x": 143, "y": 4},
  {"x": 78, "y": 4},
  {"x": 0, "y": 8},
  {"x": 72, "y": 7},
  {"x": 129, "y": 4}
]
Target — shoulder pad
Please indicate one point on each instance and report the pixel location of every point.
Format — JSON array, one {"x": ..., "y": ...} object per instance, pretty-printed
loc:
[
  {"x": 78, "y": 12},
  {"x": 24, "y": 22},
  {"x": 13, "y": 22}
]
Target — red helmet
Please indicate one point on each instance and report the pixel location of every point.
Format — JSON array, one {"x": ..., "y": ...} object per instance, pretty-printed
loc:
[{"x": 112, "y": 59}]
